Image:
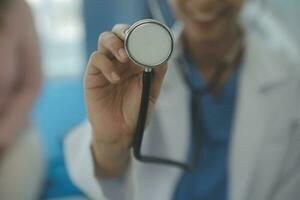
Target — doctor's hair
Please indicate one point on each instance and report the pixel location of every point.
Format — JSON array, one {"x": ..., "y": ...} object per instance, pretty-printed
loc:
[{"x": 4, "y": 4}]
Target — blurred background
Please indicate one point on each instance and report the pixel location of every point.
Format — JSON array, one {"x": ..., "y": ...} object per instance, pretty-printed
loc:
[{"x": 68, "y": 32}]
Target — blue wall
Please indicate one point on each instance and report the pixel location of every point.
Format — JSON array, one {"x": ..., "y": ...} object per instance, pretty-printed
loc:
[
  {"x": 59, "y": 108},
  {"x": 101, "y": 15},
  {"x": 61, "y": 105}
]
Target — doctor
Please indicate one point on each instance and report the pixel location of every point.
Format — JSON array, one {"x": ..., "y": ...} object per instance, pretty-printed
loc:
[{"x": 250, "y": 121}]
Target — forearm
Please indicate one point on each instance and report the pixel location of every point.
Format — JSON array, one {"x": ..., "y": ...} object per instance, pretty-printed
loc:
[{"x": 110, "y": 162}]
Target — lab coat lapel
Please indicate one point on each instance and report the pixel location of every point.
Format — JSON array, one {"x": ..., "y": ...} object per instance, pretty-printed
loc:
[
  {"x": 257, "y": 76},
  {"x": 173, "y": 132},
  {"x": 169, "y": 132},
  {"x": 173, "y": 106}
]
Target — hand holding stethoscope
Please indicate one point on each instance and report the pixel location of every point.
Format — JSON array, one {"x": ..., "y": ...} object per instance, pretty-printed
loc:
[
  {"x": 113, "y": 87},
  {"x": 121, "y": 92}
]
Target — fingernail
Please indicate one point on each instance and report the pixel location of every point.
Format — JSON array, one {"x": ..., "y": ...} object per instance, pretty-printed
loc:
[
  {"x": 114, "y": 76},
  {"x": 122, "y": 54},
  {"x": 124, "y": 31}
]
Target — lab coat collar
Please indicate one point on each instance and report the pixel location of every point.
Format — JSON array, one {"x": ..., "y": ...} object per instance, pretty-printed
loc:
[
  {"x": 260, "y": 74},
  {"x": 267, "y": 73}
]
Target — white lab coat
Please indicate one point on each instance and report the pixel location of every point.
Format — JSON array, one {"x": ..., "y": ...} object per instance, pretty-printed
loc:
[{"x": 264, "y": 156}]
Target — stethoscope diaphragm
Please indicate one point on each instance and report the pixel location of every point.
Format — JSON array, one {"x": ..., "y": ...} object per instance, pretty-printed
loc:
[{"x": 149, "y": 43}]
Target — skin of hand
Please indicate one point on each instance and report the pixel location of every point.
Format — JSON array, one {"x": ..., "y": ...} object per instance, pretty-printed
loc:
[
  {"x": 113, "y": 87},
  {"x": 113, "y": 83}
]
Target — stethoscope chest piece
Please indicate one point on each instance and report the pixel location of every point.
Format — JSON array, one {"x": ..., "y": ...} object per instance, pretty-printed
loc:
[{"x": 149, "y": 43}]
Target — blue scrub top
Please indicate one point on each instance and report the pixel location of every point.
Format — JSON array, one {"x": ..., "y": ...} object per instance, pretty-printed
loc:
[{"x": 210, "y": 179}]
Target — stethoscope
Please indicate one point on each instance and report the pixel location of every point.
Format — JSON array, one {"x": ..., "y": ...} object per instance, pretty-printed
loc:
[{"x": 149, "y": 44}]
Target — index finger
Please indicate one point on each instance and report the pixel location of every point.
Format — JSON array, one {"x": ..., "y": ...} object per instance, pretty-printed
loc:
[{"x": 120, "y": 30}]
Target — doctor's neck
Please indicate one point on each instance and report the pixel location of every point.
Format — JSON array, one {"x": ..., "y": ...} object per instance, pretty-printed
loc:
[{"x": 207, "y": 52}]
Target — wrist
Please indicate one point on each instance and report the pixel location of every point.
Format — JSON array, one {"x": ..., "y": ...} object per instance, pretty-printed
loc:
[{"x": 109, "y": 162}]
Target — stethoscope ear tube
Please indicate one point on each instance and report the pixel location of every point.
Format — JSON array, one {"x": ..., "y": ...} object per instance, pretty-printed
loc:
[
  {"x": 159, "y": 47},
  {"x": 142, "y": 117},
  {"x": 210, "y": 87},
  {"x": 141, "y": 122},
  {"x": 162, "y": 51}
]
